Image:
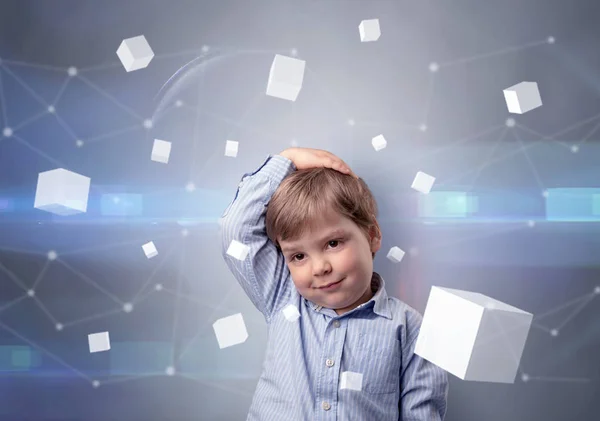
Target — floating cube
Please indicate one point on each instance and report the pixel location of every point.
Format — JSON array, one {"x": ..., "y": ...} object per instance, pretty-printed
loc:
[
  {"x": 350, "y": 380},
  {"x": 230, "y": 330},
  {"x": 423, "y": 182},
  {"x": 395, "y": 254},
  {"x": 150, "y": 250},
  {"x": 135, "y": 53},
  {"x": 369, "y": 30},
  {"x": 99, "y": 342},
  {"x": 231, "y": 148},
  {"x": 379, "y": 142},
  {"x": 285, "y": 77},
  {"x": 62, "y": 192},
  {"x": 522, "y": 97},
  {"x": 161, "y": 150},
  {"x": 291, "y": 313},
  {"x": 473, "y": 336},
  {"x": 238, "y": 250}
]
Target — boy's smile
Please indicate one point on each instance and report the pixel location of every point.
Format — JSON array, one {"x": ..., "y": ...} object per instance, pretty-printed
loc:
[{"x": 331, "y": 264}]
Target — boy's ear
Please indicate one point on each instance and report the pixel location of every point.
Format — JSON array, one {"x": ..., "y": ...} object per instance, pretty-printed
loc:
[{"x": 375, "y": 236}]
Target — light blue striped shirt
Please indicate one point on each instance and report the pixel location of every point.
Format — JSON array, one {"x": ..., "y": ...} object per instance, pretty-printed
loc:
[{"x": 305, "y": 359}]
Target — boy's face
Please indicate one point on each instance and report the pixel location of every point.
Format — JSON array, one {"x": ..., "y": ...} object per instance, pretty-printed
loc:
[{"x": 335, "y": 250}]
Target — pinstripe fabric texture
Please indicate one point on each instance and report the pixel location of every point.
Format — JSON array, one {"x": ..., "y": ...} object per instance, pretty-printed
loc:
[{"x": 305, "y": 359}]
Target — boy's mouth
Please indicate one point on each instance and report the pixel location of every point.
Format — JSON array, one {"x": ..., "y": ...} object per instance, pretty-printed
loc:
[{"x": 331, "y": 285}]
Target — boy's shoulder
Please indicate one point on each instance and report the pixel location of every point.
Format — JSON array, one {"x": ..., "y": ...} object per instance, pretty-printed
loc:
[{"x": 404, "y": 315}]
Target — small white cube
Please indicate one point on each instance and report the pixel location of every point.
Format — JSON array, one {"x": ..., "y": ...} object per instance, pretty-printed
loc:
[
  {"x": 423, "y": 182},
  {"x": 99, "y": 342},
  {"x": 379, "y": 142},
  {"x": 395, "y": 254},
  {"x": 522, "y": 97},
  {"x": 135, "y": 53},
  {"x": 238, "y": 250},
  {"x": 350, "y": 380},
  {"x": 369, "y": 30},
  {"x": 291, "y": 313},
  {"x": 161, "y": 150},
  {"x": 231, "y": 148},
  {"x": 62, "y": 192},
  {"x": 230, "y": 330},
  {"x": 150, "y": 250},
  {"x": 473, "y": 336},
  {"x": 285, "y": 77}
]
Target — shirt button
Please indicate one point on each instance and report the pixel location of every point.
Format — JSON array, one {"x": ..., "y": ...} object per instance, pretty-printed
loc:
[
  {"x": 329, "y": 362},
  {"x": 326, "y": 406},
  {"x": 336, "y": 323}
]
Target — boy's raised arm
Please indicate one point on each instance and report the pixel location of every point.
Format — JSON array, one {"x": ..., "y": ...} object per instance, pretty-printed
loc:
[{"x": 263, "y": 271}]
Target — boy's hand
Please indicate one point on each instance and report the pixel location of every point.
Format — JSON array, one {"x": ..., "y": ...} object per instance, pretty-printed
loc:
[{"x": 305, "y": 158}]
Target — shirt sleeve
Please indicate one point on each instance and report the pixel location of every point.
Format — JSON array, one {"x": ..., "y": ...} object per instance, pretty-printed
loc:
[
  {"x": 424, "y": 386},
  {"x": 263, "y": 274}
]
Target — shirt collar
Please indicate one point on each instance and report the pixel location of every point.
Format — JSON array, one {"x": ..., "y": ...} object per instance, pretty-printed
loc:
[{"x": 379, "y": 301}]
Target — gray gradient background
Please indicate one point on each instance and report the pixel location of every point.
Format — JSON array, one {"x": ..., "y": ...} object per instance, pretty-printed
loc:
[{"x": 549, "y": 269}]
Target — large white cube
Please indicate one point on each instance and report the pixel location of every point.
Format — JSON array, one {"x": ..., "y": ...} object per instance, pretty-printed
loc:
[
  {"x": 423, "y": 182},
  {"x": 379, "y": 142},
  {"x": 522, "y": 97},
  {"x": 150, "y": 250},
  {"x": 231, "y": 148},
  {"x": 473, "y": 336},
  {"x": 135, "y": 53},
  {"x": 285, "y": 77},
  {"x": 350, "y": 380},
  {"x": 62, "y": 192},
  {"x": 99, "y": 342},
  {"x": 161, "y": 150},
  {"x": 291, "y": 313},
  {"x": 369, "y": 30},
  {"x": 238, "y": 250},
  {"x": 230, "y": 330}
]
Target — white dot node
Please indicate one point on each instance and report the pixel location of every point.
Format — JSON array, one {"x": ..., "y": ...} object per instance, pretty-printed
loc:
[
  {"x": 525, "y": 377},
  {"x": 72, "y": 71},
  {"x": 597, "y": 290},
  {"x": 51, "y": 109},
  {"x": 574, "y": 148},
  {"x": 79, "y": 143},
  {"x": 147, "y": 123},
  {"x": 545, "y": 193},
  {"x": 351, "y": 122},
  {"x": 179, "y": 103},
  {"x": 170, "y": 371},
  {"x": 294, "y": 52},
  {"x": 59, "y": 326},
  {"x": 510, "y": 122},
  {"x": 434, "y": 67},
  {"x": 423, "y": 127},
  {"x": 190, "y": 187},
  {"x": 531, "y": 223},
  {"x": 128, "y": 307},
  {"x": 551, "y": 40},
  {"x": 205, "y": 48},
  {"x": 158, "y": 287},
  {"x": 554, "y": 332},
  {"x": 185, "y": 232},
  {"x": 52, "y": 255},
  {"x": 96, "y": 383},
  {"x": 31, "y": 293},
  {"x": 294, "y": 143},
  {"x": 7, "y": 132}
]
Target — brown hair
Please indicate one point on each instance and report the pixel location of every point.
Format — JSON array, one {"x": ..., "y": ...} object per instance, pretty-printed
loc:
[{"x": 306, "y": 194}]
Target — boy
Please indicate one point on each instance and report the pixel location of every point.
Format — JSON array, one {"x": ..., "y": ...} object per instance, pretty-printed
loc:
[{"x": 349, "y": 355}]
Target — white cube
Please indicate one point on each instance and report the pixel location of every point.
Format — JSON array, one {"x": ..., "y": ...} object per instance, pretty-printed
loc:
[
  {"x": 238, "y": 250},
  {"x": 230, "y": 330},
  {"x": 522, "y": 97},
  {"x": 473, "y": 336},
  {"x": 62, "y": 192},
  {"x": 161, "y": 150},
  {"x": 350, "y": 380},
  {"x": 395, "y": 254},
  {"x": 135, "y": 53},
  {"x": 99, "y": 342},
  {"x": 231, "y": 148},
  {"x": 369, "y": 30},
  {"x": 379, "y": 142},
  {"x": 423, "y": 182},
  {"x": 285, "y": 77},
  {"x": 150, "y": 250},
  {"x": 291, "y": 313}
]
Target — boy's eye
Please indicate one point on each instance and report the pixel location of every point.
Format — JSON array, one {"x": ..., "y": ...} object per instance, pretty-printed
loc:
[
  {"x": 335, "y": 243},
  {"x": 332, "y": 244},
  {"x": 294, "y": 258}
]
